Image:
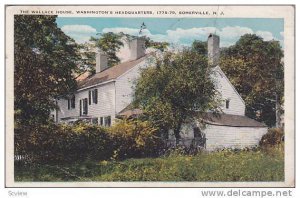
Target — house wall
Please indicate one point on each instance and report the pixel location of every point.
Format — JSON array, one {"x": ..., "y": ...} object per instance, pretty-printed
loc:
[
  {"x": 218, "y": 137},
  {"x": 104, "y": 107},
  {"x": 124, "y": 85},
  {"x": 223, "y": 85}
]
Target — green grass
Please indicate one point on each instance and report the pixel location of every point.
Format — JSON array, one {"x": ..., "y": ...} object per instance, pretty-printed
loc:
[{"x": 257, "y": 165}]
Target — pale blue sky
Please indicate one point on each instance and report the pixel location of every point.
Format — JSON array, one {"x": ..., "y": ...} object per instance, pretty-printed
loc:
[{"x": 175, "y": 30}]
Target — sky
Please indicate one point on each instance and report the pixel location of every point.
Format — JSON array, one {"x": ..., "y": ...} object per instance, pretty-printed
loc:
[{"x": 180, "y": 31}]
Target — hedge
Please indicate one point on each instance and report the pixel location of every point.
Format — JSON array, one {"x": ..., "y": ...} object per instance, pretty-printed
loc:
[{"x": 53, "y": 143}]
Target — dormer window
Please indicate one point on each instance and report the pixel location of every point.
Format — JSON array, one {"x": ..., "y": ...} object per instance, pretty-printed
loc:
[{"x": 227, "y": 103}]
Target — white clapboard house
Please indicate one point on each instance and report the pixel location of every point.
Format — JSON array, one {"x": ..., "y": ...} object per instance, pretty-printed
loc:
[{"x": 102, "y": 97}]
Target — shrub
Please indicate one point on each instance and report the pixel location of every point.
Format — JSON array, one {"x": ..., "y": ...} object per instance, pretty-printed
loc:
[
  {"x": 134, "y": 138},
  {"x": 52, "y": 143},
  {"x": 61, "y": 143},
  {"x": 273, "y": 137}
]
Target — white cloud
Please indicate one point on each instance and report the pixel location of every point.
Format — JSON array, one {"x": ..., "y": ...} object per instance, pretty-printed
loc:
[
  {"x": 267, "y": 36},
  {"x": 83, "y": 29},
  {"x": 282, "y": 34},
  {"x": 80, "y": 33},
  {"x": 230, "y": 32},
  {"x": 192, "y": 33},
  {"x": 228, "y": 35},
  {"x": 125, "y": 30}
]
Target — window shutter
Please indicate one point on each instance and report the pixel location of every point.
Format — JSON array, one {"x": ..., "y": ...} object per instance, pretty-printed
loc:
[
  {"x": 80, "y": 108},
  {"x": 85, "y": 106},
  {"x": 90, "y": 97},
  {"x": 96, "y": 96},
  {"x": 73, "y": 102},
  {"x": 68, "y": 103}
]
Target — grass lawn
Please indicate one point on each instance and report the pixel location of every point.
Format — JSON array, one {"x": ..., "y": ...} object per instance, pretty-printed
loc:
[{"x": 257, "y": 165}]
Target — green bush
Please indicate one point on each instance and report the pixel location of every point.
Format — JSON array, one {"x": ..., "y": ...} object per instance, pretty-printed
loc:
[
  {"x": 273, "y": 137},
  {"x": 134, "y": 138},
  {"x": 52, "y": 143},
  {"x": 62, "y": 143}
]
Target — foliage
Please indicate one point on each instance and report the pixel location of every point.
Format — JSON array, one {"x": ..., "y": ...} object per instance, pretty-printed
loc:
[
  {"x": 44, "y": 59},
  {"x": 161, "y": 46},
  {"x": 273, "y": 137},
  {"x": 51, "y": 143},
  {"x": 134, "y": 138},
  {"x": 200, "y": 47},
  {"x": 256, "y": 69},
  {"x": 225, "y": 165},
  {"x": 176, "y": 89},
  {"x": 88, "y": 57},
  {"x": 109, "y": 43}
]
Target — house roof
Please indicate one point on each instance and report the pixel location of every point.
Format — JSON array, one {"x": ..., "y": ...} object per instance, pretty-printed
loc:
[
  {"x": 130, "y": 112},
  {"x": 230, "y": 120},
  {"x": 110, "y": 73},
  {"x": 208, "y": 118}
]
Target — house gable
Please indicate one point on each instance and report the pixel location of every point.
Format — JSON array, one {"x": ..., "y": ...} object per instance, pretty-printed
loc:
[
  {"x": 232, "y": 103},
  {"x": 125, "y": 82}
]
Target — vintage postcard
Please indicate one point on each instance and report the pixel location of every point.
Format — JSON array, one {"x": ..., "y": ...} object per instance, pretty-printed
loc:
[{"x": 150, "y": 96}]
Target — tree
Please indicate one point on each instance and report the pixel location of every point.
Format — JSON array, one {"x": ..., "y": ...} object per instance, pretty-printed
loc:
[
  {"x": 44, "y": 59},
  {"x": 199, "y": 47},
  {"x": 109, "y": 43},
  {"x": 255, "y": 68},
  {"x": 176, "y": 89},
  {"x": 162, "y": 46},
  {"x": 88, "y": 57},
  {"x": 149, "y": 43}
]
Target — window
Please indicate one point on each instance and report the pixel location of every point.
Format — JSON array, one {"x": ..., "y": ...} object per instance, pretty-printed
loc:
[
  {"x": 107, "y": 121},
  {"x": 95, "y": 96},
  {"x": 84, "y": 106},
  {"x": 71, "y": 102},
  {"x": 101, "y": 121},
  {"x": 227, "y": 104}
]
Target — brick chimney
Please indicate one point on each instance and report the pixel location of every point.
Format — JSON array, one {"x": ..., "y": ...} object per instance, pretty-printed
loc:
[
  {"x": 101, "y": 61},
  {"x": 137, "y": 48},
  {"x": 213, "y": 48}
]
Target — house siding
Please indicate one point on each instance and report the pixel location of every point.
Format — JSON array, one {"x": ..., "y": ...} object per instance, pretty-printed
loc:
[
  {"x": 104, "y": 107},
  {"x": 228, "y": 92},
  {"x": 124, "y": 86},
  {"x": 218, "y": 137}
]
